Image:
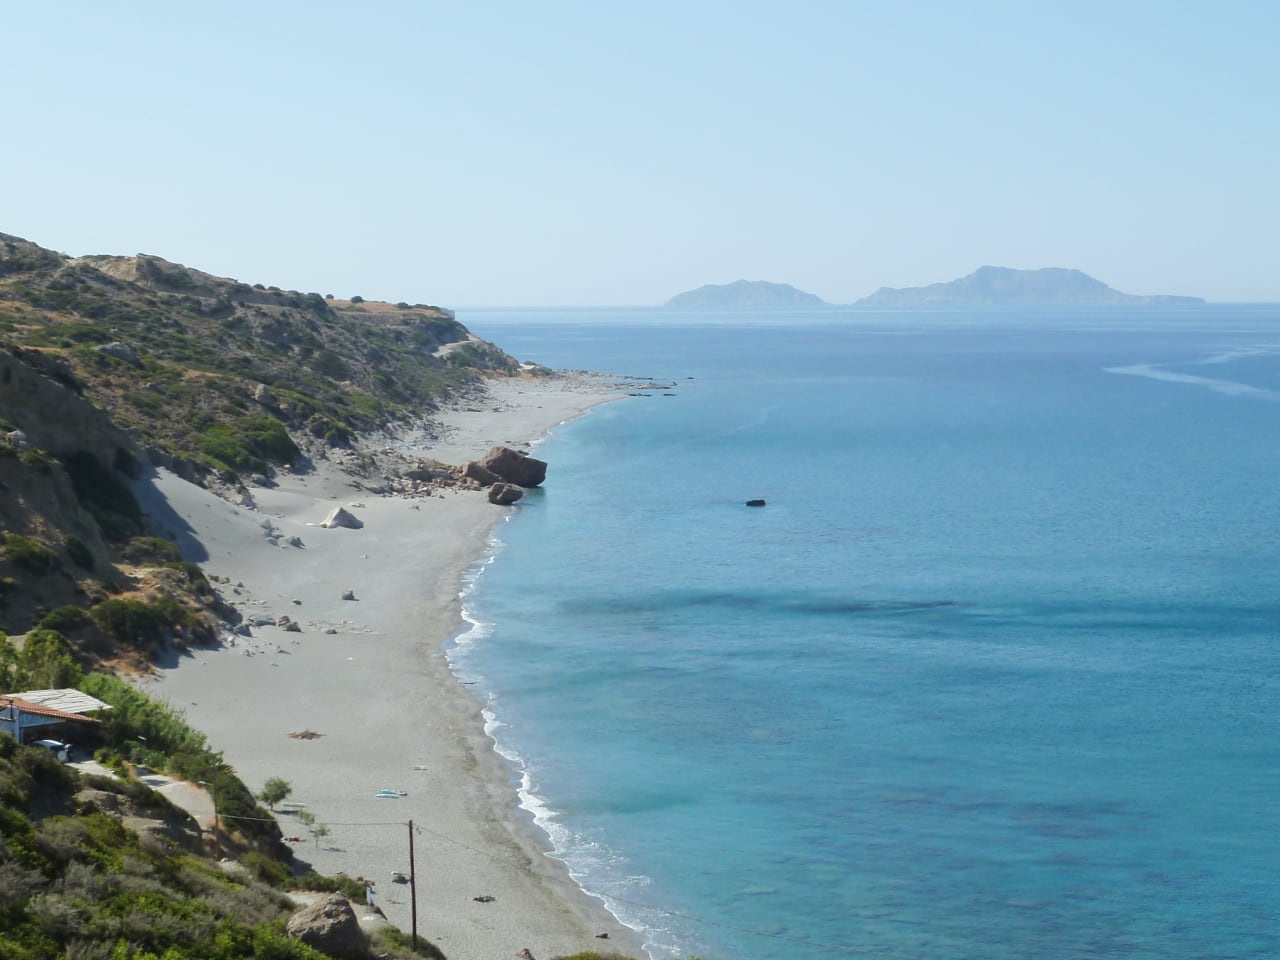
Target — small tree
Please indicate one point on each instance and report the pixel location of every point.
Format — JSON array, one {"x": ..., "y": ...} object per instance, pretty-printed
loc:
[
  {"x": 319, "y": 831},
  {"x": 274, "y": 791}
]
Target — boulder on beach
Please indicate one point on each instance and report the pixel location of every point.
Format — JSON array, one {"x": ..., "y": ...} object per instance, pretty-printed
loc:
[
  {"x": 474, "y": 470},
  {"x": 330, "y": 926},
  {"x": 340, "y": 517},
  {"x": 505, "y": 494},
  {"x": 514, "y": 466}
]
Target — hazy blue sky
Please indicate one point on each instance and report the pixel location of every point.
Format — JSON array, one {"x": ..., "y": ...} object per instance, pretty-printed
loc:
[{"x": 471, "y": 153}]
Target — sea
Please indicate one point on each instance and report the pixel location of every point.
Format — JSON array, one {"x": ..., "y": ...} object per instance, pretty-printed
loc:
[{"x": 994, "y": 673}]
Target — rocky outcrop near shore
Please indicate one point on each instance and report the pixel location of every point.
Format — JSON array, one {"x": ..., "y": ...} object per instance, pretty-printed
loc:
[{"x": 507, "y": 465}]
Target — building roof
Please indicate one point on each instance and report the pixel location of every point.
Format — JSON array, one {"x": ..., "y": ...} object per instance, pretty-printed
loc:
[
  {"x": 68, "y": 700},
  {"x": 7, "y": 703}
]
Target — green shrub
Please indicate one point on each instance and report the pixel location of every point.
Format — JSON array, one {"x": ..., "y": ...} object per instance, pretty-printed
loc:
[
  {"x": 135, "y": 621},
  {"x": 66, "y": 619},
  {"x": 45, "y": 662},
  {"x": 265, "y": 868},
  {"x": 400, "y": 944},
  {"x": 36, "y": 460},
  {"x": 329, "y": 364},
  {"x": 146, "y": 401},
  {"x": 349, "y": 887},
  {"x": 249, "y": 444},
  {"x": 28, "y": 554},
  {"x": 151, "y": 551},
  {"x": 334, "y": 434}
]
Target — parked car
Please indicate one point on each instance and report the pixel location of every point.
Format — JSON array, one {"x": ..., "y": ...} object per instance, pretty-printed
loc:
[{"x": 59, "y": 749}]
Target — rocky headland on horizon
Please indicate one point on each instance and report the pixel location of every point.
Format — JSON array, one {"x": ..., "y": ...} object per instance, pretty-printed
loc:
[
  {"x": 985, "y": 287},
  {"x": 1006, "y": 287},
  {"x": 744, "y": 295}
]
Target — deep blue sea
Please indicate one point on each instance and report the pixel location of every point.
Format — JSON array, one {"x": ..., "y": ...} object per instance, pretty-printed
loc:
[{"x": 994, "y": 674}]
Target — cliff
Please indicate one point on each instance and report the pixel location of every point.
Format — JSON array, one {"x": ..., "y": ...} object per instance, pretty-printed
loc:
[{"x": 111, "y": 364}]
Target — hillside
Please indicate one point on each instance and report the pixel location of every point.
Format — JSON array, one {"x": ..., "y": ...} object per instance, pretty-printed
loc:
[
  {"x": 744, "y": 295},
  {"x": 108, "y": 367},
  {"x": 1005, "y": 287},
  {"x": 108, "y": 364},
  {"x": 193, "y": 366}
]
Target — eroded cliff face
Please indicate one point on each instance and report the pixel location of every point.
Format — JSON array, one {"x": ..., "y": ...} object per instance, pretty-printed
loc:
[
  {"x": 38, "y": 397},
  {"x": 59, "y": 460}
]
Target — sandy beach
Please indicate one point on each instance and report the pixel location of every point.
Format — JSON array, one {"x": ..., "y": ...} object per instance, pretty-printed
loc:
[{"x": 370, "y": 675}]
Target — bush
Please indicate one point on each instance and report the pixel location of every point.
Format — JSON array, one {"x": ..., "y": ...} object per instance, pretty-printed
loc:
[
  {"x": 44, "y": 663},
  {"x": 265, "y": 868},
  {"x": 66, "y": 619},
  {"x": 334, "y": 434},
  {"x": 135, "y": 621},
  {"x": 401, "y": 944},
  {"x": 250, "y": 444},
  {"x": 28, "y": 554},
  {"x": 349, "y": 887},
  {"x": 151, "y": 551},
  {"x": 329, "y": 364},
  {"x": 36, "y": 460}
]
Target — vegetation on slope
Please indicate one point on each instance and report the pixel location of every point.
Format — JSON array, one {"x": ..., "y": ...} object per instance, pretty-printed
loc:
[
  {"x": 177, "y": 356},
  {"x": 76, "y": 882},
  {"x": 104, "y": 359}
]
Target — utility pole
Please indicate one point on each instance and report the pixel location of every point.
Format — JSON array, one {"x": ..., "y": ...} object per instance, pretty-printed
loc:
[
  {"x": 213, "y": 792},
  {"x": 413, "y": 890}
]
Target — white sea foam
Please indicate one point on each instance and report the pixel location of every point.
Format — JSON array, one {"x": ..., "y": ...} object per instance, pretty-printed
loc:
[
  {"x": 1261, "y": 350},
  {"x": 1229, "y": 387},
  {"x": 597, "y": 870},
  {"x": 476, "y": 629}
]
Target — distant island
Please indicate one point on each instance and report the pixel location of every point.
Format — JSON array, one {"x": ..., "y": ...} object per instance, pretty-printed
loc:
[
  {"x": 1004, "y": 287},
  {"x": 744, "y": 295}
]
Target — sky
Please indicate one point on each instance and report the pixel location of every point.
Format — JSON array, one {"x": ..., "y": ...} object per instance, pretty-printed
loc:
[{"x": 553, "y": 153}]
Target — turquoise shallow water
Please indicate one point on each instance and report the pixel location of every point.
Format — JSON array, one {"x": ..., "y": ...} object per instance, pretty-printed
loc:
[{"x": 994, "y": 674}]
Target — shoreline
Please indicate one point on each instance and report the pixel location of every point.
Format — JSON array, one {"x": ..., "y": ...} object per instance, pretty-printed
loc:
[{"x": 373, "y": 677}]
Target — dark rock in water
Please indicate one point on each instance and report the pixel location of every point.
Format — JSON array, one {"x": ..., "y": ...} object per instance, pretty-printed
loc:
[
  {"x": 505, "y": 494},
  {"x": 755, "y": 503}
]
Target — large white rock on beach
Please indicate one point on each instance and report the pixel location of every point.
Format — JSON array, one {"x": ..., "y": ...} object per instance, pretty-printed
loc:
[{"x": 341, "y": 517}]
